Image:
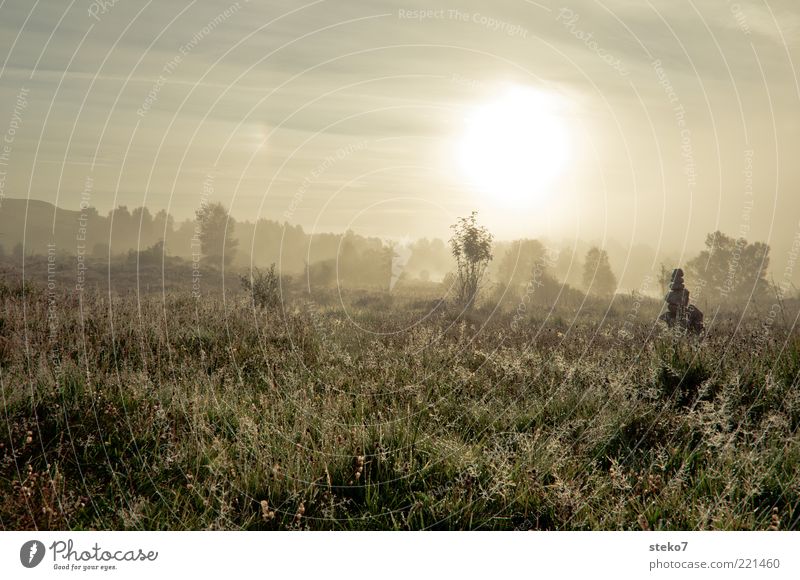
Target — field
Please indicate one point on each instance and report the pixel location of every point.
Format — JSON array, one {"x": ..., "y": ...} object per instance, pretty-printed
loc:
[{"x": 395, "y": 411}]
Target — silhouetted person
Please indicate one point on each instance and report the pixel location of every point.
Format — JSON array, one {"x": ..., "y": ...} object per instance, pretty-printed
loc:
[{"x": 679, "y": 311}]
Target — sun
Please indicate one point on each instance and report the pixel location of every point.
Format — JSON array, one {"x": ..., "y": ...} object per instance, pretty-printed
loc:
[{"x": 513, "y": 148}]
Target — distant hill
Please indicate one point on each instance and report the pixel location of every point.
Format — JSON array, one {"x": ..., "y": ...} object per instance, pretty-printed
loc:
[{"x": 35, "y": 224}]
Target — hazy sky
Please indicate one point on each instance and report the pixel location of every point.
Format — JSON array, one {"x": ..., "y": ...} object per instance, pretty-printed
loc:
[{"x": 679, "y": 117}]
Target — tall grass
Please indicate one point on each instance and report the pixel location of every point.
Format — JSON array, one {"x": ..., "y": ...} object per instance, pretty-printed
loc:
[{"x": 175, "y": 413}]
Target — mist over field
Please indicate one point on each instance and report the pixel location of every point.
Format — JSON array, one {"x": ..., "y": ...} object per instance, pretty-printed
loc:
[
  {"x": 399, "y": 266},
  {"x": 136, "y": 240}
]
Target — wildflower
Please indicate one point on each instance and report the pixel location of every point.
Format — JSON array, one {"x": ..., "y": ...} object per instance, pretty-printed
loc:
[
  {"x": 301, "y": 509},
  {"x": 266, "y": 513},
  {"x": 775, "y": 520},
  {"x": 359, "y": 466}
]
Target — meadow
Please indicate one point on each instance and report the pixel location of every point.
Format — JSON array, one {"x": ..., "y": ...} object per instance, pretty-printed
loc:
[{"x": 390, "y": 411}]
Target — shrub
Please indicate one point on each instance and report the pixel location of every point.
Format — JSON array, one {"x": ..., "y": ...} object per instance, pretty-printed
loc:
[{"x": 263, "y": 287}]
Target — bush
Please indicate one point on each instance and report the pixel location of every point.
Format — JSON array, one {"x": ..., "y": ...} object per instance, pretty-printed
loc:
[{"x": 263, "y": 287}]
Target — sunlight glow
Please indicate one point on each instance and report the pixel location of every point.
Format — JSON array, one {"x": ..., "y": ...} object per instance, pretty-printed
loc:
[{"x": 513, "y": 148}]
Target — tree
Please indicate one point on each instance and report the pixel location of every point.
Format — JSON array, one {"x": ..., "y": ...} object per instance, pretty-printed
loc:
[
  {"x": 163, "y": 226},
  {"x": 429, "y": 255},
  {"x": 122, "y": 230},
  {"x": 598, "y": 279},
  {"x": 363, "y": 262},
  {"x": 217, "y": 244},
  {"x": 520, "y": 263},
  {"x": 567, "y": 266},
  {"x": 152, "y": 255},
  {"x": 143, "y": 222},
  {"x": 471, "y": 246},
  {"x": 731, "y": 268}
]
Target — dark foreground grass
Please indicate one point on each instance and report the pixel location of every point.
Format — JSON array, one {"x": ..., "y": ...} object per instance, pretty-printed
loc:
[{"x": 171, "y": 413}]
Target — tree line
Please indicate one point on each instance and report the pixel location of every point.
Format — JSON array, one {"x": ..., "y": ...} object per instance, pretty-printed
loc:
[{"x": 726, "y": 270}]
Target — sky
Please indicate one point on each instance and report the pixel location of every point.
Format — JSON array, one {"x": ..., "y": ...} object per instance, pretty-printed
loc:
[{"x": 654, "y": 121}]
